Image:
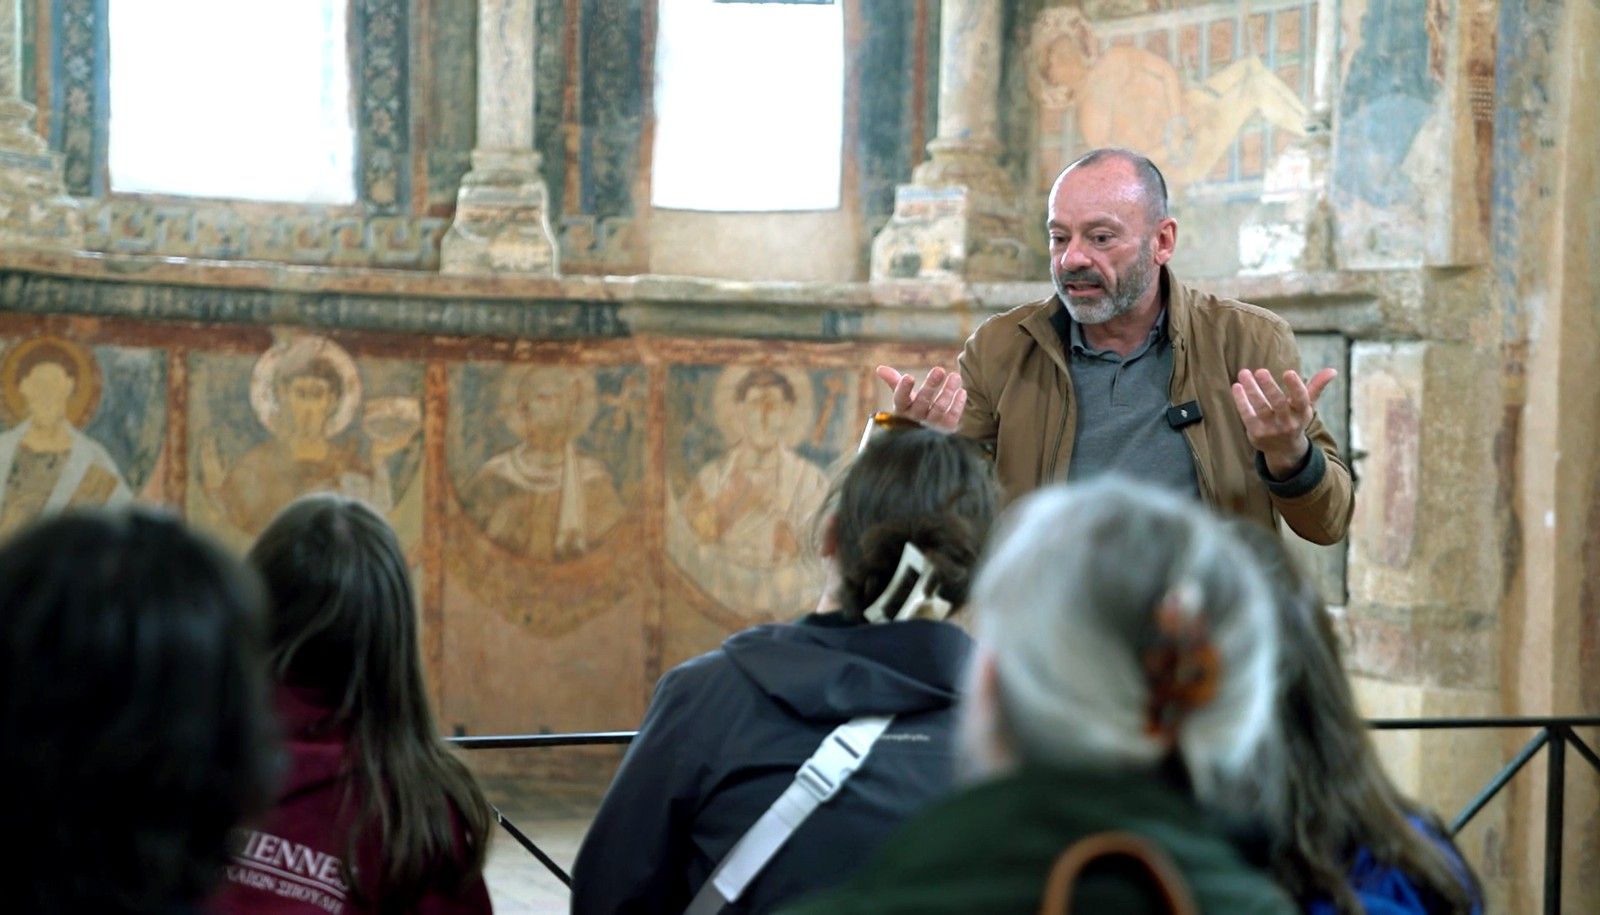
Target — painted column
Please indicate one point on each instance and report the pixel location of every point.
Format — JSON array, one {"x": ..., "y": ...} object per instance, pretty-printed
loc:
[
  {"x": 35, "y": 210},
  {"x": 502, "y": 222},
  {"x": 960, "y": 216}
]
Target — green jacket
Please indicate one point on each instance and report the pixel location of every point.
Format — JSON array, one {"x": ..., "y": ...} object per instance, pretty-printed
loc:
[{"x": 988, "y": 850}]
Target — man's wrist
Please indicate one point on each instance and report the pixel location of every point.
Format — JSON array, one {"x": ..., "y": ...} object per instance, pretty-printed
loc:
[{"x": 1284, "y": 465}]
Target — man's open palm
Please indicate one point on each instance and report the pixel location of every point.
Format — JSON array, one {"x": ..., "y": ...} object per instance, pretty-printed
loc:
[{"x": 936, "y": 403}]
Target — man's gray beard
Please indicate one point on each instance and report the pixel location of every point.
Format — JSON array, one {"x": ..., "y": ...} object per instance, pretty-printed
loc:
[{"x": 1117, "y": 302}]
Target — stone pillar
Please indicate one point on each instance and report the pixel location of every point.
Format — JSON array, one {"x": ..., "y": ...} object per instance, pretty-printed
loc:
[
  {"x": 1426, "y": 569},
  {"x": 502, "y": 222},
  {"x": 959, "y": 218},
  {"x": 1546, "y": 240},
  {"x": 35, "y": 210}
]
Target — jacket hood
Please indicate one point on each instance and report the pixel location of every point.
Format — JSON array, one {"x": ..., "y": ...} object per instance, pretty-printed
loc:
[
  {"x": 835, "y": 672},
  {"x": 318, "y": 747}
]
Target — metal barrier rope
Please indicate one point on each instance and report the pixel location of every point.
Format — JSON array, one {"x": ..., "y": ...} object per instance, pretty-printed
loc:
[{"x": 1555, "y": 733}]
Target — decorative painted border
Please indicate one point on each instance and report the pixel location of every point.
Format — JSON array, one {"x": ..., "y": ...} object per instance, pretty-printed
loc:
[
  {"x": 134, "y": 225},
  {"x": 29, "y": 293},
  {"x": 383, "y": 122},
  {"x": 33, "y": 294},
  {"x": 79, "y": 93}
]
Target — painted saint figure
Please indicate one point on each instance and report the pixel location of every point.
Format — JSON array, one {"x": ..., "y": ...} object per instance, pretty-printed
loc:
[
  {"x": 544, "y": 498},
  {"x": 739, "y": 528},
  {"x": 306, "y": 392},
  {"x": 46, "y": 463}
]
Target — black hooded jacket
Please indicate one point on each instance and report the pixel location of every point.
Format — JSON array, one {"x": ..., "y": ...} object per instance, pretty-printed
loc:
[{"x": 723, "y": 737}]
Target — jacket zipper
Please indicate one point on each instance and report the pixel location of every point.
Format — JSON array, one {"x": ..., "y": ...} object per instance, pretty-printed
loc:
[
  {"x": 1201, "y": 475},
  {"x": 1061, "y": 427},
  {"x": 1061, "y": 432}
]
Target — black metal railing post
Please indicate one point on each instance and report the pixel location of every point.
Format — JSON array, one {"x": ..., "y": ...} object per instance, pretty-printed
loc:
[
  {"x": 1554, "y": 733},
  {"x": 1554, "y": 794},
  {"x": 1501, "y": 779}
]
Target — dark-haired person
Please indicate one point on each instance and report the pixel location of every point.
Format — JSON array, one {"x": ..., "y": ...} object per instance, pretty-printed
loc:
[
  {"x": 1126, "y": 369},
  {"x": 1342, "y": 838},
  {"x": 134, "y": 726},
  {"x": 727, "y": 731},
  {"x": 375, "y": 815}
]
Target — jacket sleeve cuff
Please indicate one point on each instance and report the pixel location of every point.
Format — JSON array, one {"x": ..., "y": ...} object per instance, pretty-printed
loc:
[{"x": 1303, "y": 481}]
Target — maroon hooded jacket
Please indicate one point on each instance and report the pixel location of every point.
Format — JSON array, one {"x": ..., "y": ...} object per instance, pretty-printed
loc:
[{"x": 291, "y": 864}]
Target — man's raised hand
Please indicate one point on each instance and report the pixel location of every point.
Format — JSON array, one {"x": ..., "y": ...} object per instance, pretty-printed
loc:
[
  {"x": 1276, "y": 417},
  {"x": 936, "y": 403}
]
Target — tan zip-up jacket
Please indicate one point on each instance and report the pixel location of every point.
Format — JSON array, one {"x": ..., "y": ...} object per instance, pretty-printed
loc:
[{"x": 1020, "y": 404}]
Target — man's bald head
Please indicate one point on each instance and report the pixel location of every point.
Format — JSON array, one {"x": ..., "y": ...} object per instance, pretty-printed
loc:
[{"x": 1152, "y": 186}]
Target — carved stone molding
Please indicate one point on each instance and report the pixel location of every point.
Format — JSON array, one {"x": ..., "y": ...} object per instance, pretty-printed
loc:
[{"x": 35, "y": 210}]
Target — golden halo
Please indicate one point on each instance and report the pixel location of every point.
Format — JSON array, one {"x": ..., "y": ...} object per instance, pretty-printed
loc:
[
  {"x": 579, "y": 381},
  {"x": 294, "y": 354},
  {"x": 725, "y": 411},
  {"x": 85, "y": 391}
]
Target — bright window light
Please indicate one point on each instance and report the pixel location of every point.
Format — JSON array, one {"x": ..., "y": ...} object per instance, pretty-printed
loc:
[
  {"x": 246, "y": 99},
  {"x": 749, "y": 104}
]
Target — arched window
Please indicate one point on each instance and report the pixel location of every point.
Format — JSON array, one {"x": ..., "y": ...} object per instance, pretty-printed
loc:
[
  {"x": 247, "y": 100},
  {"x": 749, "y": 105}
]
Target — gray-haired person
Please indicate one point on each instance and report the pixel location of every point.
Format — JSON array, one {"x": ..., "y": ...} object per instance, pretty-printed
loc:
[{"x": 1123, "y": 677}]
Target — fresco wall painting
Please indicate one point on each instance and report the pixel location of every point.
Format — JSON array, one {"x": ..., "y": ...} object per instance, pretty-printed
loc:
[{"x": 579, "y": 516}]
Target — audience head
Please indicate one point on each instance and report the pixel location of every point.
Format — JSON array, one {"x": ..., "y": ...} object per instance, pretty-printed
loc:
[
  {"x": 1120, "y": 627},
  {"x": 134, "y": 730},
  {"x": 342, "y": 615},
  {"x": 342, "y": 624},
  {"x": 1330, "y": 795},
  {"x": 909, "y": 485}
]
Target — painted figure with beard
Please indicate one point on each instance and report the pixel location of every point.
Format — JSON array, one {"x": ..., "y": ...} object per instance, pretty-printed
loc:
[
  {"x": 543, "y": 498},
  {"x": 306, "y": 392},
  {"x": 739, "y": 528},
  {"x": 46, "y": 463},
  {"x": 1127, "y": 369}
]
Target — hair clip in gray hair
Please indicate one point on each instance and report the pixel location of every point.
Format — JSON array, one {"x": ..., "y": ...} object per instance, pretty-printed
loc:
[{"x": 923, "y": 602}]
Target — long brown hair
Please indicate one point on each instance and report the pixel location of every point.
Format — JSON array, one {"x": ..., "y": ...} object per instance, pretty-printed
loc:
[
  {"x": 1335, "y": 797},
  {"x": 343, "y": 621}
]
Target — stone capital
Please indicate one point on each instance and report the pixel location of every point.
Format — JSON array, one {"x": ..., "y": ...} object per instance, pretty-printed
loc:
[
  {"x": 501, "y": 225},
  {"x": 950, "y": 232},
  {"x": 502, "y": 218},
  {"x": 960, "y": 218},
  {"x": 35, "y": 210}
]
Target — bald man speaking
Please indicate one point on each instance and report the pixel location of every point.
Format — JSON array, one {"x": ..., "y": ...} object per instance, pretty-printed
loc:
[{"x": 1126, "y": 369}]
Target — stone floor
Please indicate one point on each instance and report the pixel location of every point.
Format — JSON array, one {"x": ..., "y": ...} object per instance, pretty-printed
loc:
[
  {"x": 518, "y": 883},
  {"x": 554, "y": 814}
]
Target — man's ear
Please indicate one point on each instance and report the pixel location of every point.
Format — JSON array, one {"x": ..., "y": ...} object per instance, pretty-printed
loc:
[
  {"x": 830, "y": 537},
  {"x": 1165, "y": 241}
]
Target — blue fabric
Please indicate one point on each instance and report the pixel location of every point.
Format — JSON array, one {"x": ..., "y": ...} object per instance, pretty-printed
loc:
[{"x": 1386, "y": 890}]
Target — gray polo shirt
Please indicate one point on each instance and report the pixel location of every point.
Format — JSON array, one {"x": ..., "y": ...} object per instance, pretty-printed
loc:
[{"x": 1122, "y": 411}]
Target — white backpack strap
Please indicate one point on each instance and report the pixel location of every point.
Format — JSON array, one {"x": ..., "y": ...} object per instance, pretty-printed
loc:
[{"x": 816, "y": 781}]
